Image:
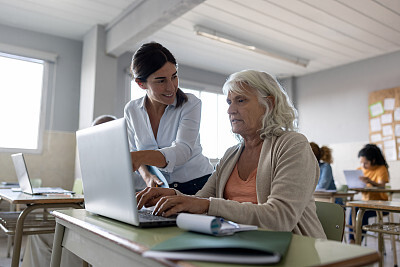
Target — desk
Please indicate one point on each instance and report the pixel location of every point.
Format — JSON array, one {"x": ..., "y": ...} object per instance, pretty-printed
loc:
[
  {"x": 105, "y": 242},
  {"x": 34, "y": 202},
  {"x": 331, "y": 195},
  {"x": 389, "y": 191},
  {"x": 377, "y": 205}
]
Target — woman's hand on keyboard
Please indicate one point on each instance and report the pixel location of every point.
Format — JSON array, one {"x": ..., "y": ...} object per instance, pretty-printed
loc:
[
  {"x": 171, "y": 205},
  {"x": 149, "y": 196}
]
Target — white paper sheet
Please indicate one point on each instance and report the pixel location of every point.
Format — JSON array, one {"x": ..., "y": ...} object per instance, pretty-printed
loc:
[
  {"x": 376, "y": 109},
  {"x": 390, "y": 150},
  {"x": 397, "y": 114},
  {"x": 376, "y": 138},
  {"x": 397, "y": 130},
  {"x": 386, "y": 118},
  {"x": 375, "y": 125},
  {"x": 388, "y": 103},
  {"x": 387, "y": 130}
]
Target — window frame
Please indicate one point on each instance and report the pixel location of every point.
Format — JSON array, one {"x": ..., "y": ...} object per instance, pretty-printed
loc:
[{"x": 48, "y": 60}]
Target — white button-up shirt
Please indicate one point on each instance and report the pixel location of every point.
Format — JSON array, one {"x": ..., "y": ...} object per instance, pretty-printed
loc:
[{"x": 178, "y": 138}]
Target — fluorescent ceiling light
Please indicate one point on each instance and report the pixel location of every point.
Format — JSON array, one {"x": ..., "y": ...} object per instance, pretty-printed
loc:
[{"x": 221, "y": 37}]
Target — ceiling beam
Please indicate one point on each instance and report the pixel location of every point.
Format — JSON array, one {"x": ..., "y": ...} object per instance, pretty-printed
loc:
[{"x": 141, "y": 20}]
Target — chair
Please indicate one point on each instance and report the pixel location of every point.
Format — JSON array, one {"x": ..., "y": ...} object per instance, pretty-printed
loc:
[
  {"x": 78, "y": 186},
  {"x": 332, "y": 218}
]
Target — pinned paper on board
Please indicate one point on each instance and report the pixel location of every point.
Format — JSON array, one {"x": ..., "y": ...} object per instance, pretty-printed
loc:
[
  {"x": 384, "y": 121},
  {"x": 387, "y": 118},
  {"x": 376, "y": 138},
  {"x": 388, "y": 104},
  {"x": 376, "y": 109},
  {"x": 387, "y": 130},
  {"x": 397, "y": 114},
  {"x": 375, "y": 125},
  {"x": 390, "y": 150}
]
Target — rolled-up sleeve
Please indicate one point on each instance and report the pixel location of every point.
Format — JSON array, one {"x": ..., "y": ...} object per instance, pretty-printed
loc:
[{"x": 181, "y": 149}]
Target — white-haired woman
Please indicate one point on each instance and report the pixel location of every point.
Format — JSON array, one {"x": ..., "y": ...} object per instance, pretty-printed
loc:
[{"x": 268, "y": 179}]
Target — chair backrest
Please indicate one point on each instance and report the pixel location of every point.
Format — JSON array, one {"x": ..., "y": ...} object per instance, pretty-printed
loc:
[
  {"x": 36, "y": 182},
  {"x": 332, "y": 218},
  {"x": 78, "y": 187}
]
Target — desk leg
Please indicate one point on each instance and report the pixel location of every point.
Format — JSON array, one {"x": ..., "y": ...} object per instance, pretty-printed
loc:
[
  {"x": 358, "y": 228},
  {"x": 20, "y": 226},
  {"x": 18, "y": 236},
  {"x": 57, "y": 246}
]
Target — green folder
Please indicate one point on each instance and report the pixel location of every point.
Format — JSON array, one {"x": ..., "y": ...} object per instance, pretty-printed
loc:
[{"x": 251, "y": 247}]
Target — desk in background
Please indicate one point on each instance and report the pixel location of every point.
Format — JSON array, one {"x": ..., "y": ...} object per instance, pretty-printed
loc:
[
  {"x": 105, "y": 242},
  {"x": 34, "y": 202},
  {"x": 389, "y": 191},
  {"x": 331, "y": 195},
  {"x": 376, "y": 205}
]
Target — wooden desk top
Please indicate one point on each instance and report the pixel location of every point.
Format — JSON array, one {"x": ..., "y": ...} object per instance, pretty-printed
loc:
[
  {"x": 393, "y": 206},
  {"x": 328, "y": 193},
  {"x": 303, "y": 251},
  {"x": 22, "y": 198},
  {"x": 376, "y": 189}
]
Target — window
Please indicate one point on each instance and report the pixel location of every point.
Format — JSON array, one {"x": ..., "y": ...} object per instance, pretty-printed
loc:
[
  {"x": 21, "y": 94},
  {"x": 215, "y": 130}
]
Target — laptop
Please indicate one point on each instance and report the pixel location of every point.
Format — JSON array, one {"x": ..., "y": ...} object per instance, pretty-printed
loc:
[
  {"x": 25, "y": 182},
  {"x": 353, "y": 178},
  {"x": 107, "y": 175}
]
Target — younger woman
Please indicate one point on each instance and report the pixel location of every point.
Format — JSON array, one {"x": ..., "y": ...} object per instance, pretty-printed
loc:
[
  {"x": 375, "y": 171},
  {"x": 163, "y": 126}
]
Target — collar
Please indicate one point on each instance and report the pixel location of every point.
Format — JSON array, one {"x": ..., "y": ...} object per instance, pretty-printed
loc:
[{"x": 144, "y": 99}]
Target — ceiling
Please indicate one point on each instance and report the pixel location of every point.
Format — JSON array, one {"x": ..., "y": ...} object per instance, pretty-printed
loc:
[{"x": 328, "y": 33}]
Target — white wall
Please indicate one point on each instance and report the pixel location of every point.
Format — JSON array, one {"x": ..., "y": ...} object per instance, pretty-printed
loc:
[{"x": 333, "y": 108}]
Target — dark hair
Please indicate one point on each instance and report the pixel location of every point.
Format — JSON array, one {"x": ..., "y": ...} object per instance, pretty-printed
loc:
[
  {"x": 323, "y": 153},
  {"x": 103, "y": 119},
  {"x": 149, "y": 58},
  {"x": 372, "y": 153}
]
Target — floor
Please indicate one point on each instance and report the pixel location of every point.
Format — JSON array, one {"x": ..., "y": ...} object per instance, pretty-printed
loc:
[{"x": 4, "y": 261}]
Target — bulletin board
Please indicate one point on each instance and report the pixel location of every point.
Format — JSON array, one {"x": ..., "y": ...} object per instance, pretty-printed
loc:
[{"x": 384, "y": 121}]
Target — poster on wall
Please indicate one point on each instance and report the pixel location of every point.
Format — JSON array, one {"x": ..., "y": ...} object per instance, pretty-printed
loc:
[{"x": 384, "y": 121}]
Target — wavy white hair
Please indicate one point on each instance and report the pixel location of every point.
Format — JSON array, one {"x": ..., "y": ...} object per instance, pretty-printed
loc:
[{"x": 280, "y": 114}]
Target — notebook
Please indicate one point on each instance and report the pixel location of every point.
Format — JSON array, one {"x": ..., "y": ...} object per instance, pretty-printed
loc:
[
  {"x": 250, "y": 247},
  {"x": 353, "y": 178},
  {"x": 107, "y": 175},
  {"x": 25, "y": 182}
]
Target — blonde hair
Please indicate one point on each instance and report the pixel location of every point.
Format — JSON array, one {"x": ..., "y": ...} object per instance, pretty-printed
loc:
[{"x": 280, "y": 114}]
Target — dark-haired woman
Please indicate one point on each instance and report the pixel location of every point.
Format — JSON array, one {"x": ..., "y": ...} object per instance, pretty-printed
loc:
[
  {"x": 376, "y": 174},
  {"x": 163, "y": 126}
]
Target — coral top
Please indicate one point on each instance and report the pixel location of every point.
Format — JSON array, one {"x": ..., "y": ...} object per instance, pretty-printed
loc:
[{"x": 239, "y": 190}]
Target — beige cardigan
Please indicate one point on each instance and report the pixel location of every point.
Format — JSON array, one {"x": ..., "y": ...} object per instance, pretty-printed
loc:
[{"x": 287, "y": 175}]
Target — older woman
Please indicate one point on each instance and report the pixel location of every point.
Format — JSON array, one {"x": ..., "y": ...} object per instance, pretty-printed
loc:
[{"x": 268, "y": 179}]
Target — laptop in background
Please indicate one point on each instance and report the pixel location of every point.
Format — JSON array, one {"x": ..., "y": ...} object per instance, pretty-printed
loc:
[
  {"x": 25, "y": 182},
  {"x": 107, "y": 175},
  {"x": 353, "y": 178}
]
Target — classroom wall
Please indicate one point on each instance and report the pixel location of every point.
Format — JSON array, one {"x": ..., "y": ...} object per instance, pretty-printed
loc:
[
  {"x": 55, "y": 164},
  {"x": 333, "y": 108}
]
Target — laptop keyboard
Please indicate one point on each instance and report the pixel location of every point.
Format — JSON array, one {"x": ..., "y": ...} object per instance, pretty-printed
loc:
[{"x": 147, "y": 215}]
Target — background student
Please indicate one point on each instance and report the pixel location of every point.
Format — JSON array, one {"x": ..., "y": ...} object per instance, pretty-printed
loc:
[
  {"x": 324, "y": 159},
  {"x": 268, "y": 179},
  {"x": 376, "y": 174},
  {"x": 163, "y": 126}
]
